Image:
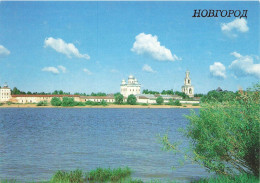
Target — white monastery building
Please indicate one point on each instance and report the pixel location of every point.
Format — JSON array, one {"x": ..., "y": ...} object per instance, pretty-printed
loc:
[
  {"x": 187, "y": 88},
  {"x": 131, "y": 87},
  {"x": 5, "y": 93}
]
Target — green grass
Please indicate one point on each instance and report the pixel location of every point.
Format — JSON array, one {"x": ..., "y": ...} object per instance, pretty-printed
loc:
[
  {"x": 104, "y": 175},
  {"x": 195, "y": 104},
  {"x": 242, "y": 178},
  {"x": 103, "y": 103},
  {"x": 123, "y": 175},
  {"x": 42, "y": 103}
]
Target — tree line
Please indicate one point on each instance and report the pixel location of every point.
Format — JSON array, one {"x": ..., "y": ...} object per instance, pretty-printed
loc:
[{"x": 16, "y": 91}]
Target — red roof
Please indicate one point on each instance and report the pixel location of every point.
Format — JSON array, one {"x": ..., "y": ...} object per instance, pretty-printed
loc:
[
  {"x": 45, "y": 95},
  {"x": 97, "y": 97}
]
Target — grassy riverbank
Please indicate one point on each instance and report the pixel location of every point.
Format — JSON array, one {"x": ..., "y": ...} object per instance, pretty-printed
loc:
[
  {"x": 123, "y": 175},
  {"x": 99, "y": 106}
]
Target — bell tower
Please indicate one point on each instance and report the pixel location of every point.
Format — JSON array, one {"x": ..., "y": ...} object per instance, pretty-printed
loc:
[{"x": 187, "y": 88}]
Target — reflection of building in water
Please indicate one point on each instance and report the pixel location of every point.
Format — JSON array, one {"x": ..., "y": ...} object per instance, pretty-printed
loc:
[
  {"x": 187, "y": 88},
  {"x": 131, "y": 87},
  {"x": 5, "y": 93}
]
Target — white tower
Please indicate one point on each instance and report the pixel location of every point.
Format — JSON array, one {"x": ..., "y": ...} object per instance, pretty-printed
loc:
[
  {"x": 131, "y": 87},
  {"x": 187, "y": 88},
  {"x": 5, "y": 93}
]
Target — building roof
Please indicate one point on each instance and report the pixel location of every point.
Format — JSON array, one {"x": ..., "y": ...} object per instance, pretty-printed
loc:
[
  {"x": 142, "y": 97},
  {"x": 5, "y": 87},
  {"x": 219, "y": 89},
  {"x": 97, "y": 97},
  {"x": 45, "y": 95}
]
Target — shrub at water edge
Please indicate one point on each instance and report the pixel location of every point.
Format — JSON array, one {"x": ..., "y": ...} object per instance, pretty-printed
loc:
[
  {"x": 68, "y": 101},
  {"x": 119, "y": 98},
  {"x": 55, "y": 101},
  {"x": 42, "y": 103},
  {"x": 131, "y": 99},
  {"x": 225, "y": 136},
  {"x": 159, "y": 100}
]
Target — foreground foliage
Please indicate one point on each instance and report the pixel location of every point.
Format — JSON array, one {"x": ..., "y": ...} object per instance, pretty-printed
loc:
[
  {"x": 243, "y": 178},
  {"x": 78, "y": 176},
  {"x": 97, "y": 175},
  {"x": 225, "y": 136}
]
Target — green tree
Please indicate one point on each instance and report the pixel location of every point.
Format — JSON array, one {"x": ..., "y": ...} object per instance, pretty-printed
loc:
[
  {"x": 225, "y": 136},
  {"x": 131, "y": 99},
  {"x": 55, "y": 101},
  {"x": 159, "y": 100},
  {"x": 42, "y": 103},
  {"x": 103, "y": 102},
  {"x": 119, "y": 98},
  {"x": 183, "y": 95},
  {"x": 68, "y": 101},
  {"x": 146, "y": 91}
]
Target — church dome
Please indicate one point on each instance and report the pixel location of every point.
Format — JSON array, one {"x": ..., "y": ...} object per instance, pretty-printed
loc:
[
  {"x": 123, "y": 82},
  {"x": 130, "y": 77}
]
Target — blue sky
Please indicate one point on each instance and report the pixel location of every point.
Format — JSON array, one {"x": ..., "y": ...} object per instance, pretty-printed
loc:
[{"x": 91, "y": 46}]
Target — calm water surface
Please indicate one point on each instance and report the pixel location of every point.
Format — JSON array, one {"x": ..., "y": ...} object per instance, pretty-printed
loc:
[{"x": 35, "y": 143}]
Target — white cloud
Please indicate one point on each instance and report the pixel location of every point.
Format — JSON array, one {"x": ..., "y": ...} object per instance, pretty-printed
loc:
[
  {"x": 87, "y": 71},
  {"x": 4, "y": 51},
  {"x": 244, "y": 66},
  {"x": 62, "y": 68},
  {"x": 66, "y": 48},
  {"x": 239, "y": 25},
  {"x": 148, "y": 68},
  {"x": 218, "y": 70},
  {"x": 148, "y": 44},
  {"x": 53, "y": 70}
]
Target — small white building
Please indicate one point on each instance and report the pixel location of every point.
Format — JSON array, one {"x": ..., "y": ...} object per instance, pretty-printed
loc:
[
  {"x": 131, "y": 87},
  {"x": 187, "y": 88},
  {"x": 5, "y": 93}
]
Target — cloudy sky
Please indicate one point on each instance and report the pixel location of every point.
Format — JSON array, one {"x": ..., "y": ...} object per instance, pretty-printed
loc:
[{"x": 91, "y": 46}]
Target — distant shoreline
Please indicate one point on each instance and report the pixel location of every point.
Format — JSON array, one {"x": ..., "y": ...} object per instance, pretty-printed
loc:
[{"x": 111, "y": 106}]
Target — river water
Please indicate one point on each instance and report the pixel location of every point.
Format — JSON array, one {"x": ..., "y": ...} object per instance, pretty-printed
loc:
[{"x": 36, "y": 142}]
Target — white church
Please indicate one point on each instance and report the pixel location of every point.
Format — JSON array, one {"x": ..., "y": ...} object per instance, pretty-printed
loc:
[{"x": 131, "y": 87}]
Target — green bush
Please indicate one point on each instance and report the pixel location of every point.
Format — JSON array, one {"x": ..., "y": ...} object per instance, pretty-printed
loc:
[
  {"x": 215, "y": 96},
  {"x": 242, "y": 178},
  {"x": 103, "y": 102},
  {"x": 195, "y": 104},
  {"x": 159, "y": 100},
  {"x": 131, "y": 99},
  {"x": 105, "y": 175},
  {"x": 144, "y": 104},
  {"x": 68, "y": 177},
  {"x": 55, "y": 101},
  {"x": 119, "y": 99},
  {"x": 42, "y": 103},
  {"x": 174, "y": 103},
  {"x": 80, "y": 104},
  {"x": 68, "y": 102},
  {"x": 9, "y": 103},
  {"x": 225, "y": 136},
  {"x": 177, "y": 103}
]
